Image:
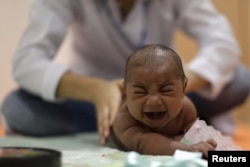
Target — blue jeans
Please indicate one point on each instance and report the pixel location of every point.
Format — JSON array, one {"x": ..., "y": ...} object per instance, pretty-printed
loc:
[
  {"x": 30, "y": 115},
  {"x": 233, "y": 94}
]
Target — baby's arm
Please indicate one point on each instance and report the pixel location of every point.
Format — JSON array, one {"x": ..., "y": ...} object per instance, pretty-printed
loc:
[
  {"x": 189, "y": 117},
  {"x": 189, "y": 113},
  {"x": 133, "y": 136}
]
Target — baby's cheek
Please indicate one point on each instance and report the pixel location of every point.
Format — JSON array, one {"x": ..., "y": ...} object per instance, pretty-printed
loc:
[
  {"x": 174, "y": 107},
  {"x": 134, "y": 111}
]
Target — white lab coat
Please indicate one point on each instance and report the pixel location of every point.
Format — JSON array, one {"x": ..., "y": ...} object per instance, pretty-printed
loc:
[{"x": 101, "y": 50}]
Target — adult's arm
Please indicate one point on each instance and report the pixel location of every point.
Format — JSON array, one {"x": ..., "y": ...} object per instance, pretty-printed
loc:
[
  {"x": 218, "y": 51},
  {"x": 106, "y": 96},
  {"x": 35, "y": 70},
  {"x": 33, "y": 65}
]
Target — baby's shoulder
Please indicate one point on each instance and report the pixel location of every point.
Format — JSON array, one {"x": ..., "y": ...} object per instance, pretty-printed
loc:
[
  {"x": 123, "y": 114},
  {"x": 188, "y": 106}
]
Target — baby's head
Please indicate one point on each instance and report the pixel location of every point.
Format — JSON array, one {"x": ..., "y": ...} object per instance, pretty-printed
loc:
[
  {"x": 155, "y": 56},
  {"x": 155, "y": 84}
]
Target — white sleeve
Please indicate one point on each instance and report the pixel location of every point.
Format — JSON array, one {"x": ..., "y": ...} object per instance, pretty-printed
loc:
[
  {"x": 33, "y": 65},
  {"x": 218, "y": 50}
]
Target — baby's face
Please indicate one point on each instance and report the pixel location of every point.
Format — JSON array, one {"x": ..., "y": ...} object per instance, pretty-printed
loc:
[{"x": 154, "y": 96}]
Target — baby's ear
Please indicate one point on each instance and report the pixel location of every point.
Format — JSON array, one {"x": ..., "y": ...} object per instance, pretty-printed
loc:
[
  {"x": 185, "y": 82},
  {"x": 124, "y": 84},
  {"x": 124, "y": 87},
  {"x": 121, "y": 85}
]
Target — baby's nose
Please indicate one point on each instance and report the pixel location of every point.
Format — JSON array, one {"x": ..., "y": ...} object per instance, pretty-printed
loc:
[{"x": 154, "y": 100}]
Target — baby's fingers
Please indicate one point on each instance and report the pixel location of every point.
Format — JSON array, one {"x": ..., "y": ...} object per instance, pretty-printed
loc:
[{"x": 212, "y": 142}]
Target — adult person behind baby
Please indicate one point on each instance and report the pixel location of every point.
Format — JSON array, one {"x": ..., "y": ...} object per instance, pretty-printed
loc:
[
  {"x": 156, "y": 112},
  {"x": 56, "y": 99}
]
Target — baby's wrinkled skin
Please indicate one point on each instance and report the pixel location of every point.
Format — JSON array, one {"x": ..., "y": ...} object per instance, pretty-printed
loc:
[{"x": 155, "y": 112}]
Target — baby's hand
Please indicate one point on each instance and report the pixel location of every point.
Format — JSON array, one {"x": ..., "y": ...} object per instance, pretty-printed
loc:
[{"x": 204, "y": 147}]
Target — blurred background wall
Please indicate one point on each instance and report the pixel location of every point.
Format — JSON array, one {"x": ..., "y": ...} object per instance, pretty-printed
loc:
[
  {"x": 238, "y": 14},
  {"x": 14, "y": 17}
]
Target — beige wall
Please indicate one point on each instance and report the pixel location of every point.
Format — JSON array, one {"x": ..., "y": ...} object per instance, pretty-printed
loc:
[
  {"x": 238, "y": 13},
  {"x": 13, "y": 17}
]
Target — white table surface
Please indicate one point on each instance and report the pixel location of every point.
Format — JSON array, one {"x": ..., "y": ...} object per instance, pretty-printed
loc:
[
  {"x": 77, "y": 151},
  {"x": 84, "y": 150}
]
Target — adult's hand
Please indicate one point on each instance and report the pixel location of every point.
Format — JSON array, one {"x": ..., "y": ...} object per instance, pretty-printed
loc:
[
  {"x": 105, "y": 95},
  {"x": 107, "y": 99}
]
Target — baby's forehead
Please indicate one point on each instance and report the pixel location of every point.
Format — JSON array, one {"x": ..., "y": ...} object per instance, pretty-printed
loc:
[
  {"x": 153, "y": 69},
  {"x": 147, "y": 75},
  {"x": 156, "y": 60}
]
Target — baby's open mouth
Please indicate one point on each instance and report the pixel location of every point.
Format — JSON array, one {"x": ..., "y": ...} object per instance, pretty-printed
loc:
[{"x": 155, "y": 114}]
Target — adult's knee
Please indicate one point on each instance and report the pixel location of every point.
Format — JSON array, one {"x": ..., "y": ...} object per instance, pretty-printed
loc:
[
  {"x": 233, "y": 94},
  {"x": 30, "y": 115},
  {"x": 239, "y": 87},
  {"x": 14, "y": 110},
  {"x": 11, "y": 103}
]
